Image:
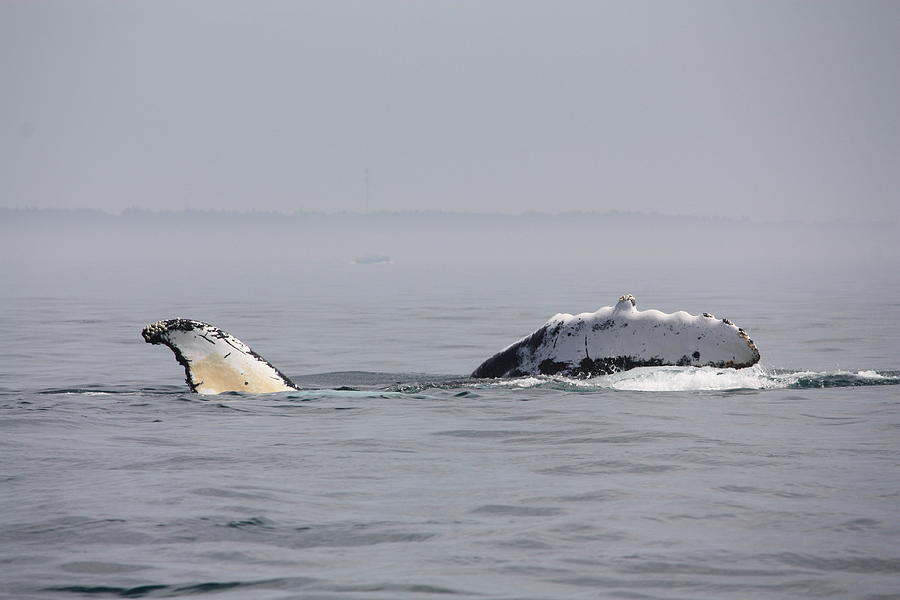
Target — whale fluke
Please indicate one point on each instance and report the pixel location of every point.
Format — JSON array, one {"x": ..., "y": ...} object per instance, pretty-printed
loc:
[
  {"x": 620, "y": 337},
  {"x": 214, "y": 361}
]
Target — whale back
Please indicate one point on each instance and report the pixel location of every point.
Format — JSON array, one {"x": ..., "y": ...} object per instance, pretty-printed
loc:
[
  {"x": 215, "y": 361},
  {"x": 620, "y": 338}
]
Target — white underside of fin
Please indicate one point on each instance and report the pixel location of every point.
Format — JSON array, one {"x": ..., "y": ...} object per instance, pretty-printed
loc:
[{"x": 215, "y": 361}]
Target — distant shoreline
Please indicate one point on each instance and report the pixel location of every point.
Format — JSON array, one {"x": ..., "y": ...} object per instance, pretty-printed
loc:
[{"x": 8, "y": 214}]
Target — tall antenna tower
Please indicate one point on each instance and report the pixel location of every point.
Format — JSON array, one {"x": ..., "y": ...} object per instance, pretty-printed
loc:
[{"x": 367, "y": 190}]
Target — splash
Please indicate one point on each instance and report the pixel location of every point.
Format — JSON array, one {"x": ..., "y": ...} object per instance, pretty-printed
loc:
[
  {"x": 687, "y": 379},
  {"x": 677, "y": 379}
]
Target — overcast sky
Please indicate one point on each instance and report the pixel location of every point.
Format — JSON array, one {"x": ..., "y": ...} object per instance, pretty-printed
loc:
[{"x": 758, "y": 109}]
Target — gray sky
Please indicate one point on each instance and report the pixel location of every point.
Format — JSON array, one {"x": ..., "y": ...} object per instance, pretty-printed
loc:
[{"x": 775, "y": 110}]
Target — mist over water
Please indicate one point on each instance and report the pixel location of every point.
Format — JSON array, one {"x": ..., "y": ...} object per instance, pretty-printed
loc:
[
  {"x": 741, "y": 158},
  {"x": 391, "y": 473}
]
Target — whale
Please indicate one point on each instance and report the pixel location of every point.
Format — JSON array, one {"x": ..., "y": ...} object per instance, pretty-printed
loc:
[
  {"x": 611, "y": 339},
  {"x": 619, "y": 338},
  {"x": 215, "y": 361}
]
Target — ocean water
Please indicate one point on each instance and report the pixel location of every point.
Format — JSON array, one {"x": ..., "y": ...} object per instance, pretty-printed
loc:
[{"x": 393, "y": 475}]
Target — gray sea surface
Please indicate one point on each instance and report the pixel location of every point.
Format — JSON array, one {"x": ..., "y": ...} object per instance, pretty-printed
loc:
[{"x": 391, "y": 474}]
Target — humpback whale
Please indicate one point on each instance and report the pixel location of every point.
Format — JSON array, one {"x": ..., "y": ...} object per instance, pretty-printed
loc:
[
  {"x": 215, "y": 361},
  {"x": 614, "y": 338},
  {"x": 620, "y": 337}
]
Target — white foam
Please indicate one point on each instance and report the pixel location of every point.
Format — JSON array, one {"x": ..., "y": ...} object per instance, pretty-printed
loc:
[
  {"x": 664, "y": 379},
  {"x": 674, "y": 379},
  {"x": 870, "y": 375},
  {"x": 519, "y": 382},
  {"x": 671, "y": 379}
]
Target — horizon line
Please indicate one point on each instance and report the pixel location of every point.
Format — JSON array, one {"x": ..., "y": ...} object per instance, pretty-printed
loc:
[{"x": 253, "y": 212}]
